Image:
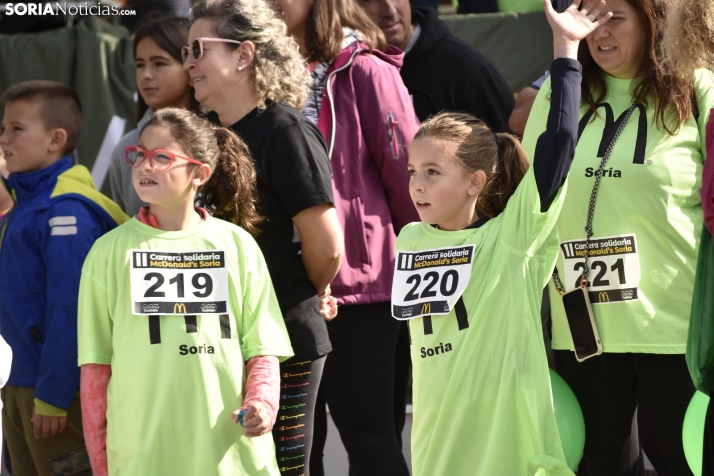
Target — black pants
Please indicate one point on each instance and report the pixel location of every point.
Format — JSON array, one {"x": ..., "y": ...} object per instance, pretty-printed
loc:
[
  {"x": 607, "y": 388},
  {"x": 402, "y": 377},
  {"x": 293, "y": 430},
  {"x": 358, "y": 386}
]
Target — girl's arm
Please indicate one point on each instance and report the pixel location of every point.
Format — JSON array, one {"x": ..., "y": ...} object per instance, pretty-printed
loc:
[
  {"x": 262, "y": 395},
  {"x": 555, "y": 148},
  {"x": 94, "y": 381}
]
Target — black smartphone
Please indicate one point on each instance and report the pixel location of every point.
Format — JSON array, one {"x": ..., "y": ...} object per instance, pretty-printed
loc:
[{"x": 583, "y": 329}]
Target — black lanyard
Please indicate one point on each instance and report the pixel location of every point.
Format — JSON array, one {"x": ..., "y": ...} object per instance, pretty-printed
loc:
[{"x": 591, "y": 207}]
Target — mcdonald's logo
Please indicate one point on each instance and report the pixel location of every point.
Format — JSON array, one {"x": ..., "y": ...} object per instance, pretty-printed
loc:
[
  {"x": 611, "y": 125},
  {"x": 603, "y": 297},
  {"x": 179, "y": 308},
  {"x": 426, "y": 308}
]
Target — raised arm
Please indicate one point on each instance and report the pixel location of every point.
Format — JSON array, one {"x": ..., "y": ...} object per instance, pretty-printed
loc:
[{"x": 555, "y": 148}]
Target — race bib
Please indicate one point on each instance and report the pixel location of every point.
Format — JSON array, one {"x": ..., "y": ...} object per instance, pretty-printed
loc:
[
  {"x": 168, "y": 282},
  {"x": 430, "y": 282},
  {"x": 614, "y": 267}
]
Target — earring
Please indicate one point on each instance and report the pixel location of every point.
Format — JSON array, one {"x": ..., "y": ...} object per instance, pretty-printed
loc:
[
  {"x": 197, "y": 182},
  {"x": 240, "y": 68}
]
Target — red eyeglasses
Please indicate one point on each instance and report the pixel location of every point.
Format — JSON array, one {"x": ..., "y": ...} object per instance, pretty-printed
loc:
[{"x": 159, "y": 159}]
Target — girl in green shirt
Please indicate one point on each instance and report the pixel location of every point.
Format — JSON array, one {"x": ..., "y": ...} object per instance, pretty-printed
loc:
[
  {"x": 469, "y": 279},
  {"x": 180, "y": 332}
]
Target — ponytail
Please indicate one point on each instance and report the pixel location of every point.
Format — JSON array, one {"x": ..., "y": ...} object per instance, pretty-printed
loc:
[
  {"x": 500, "y": 156},
  {"x": 230, "y": 193},
  {"x": 512, "y": 165}
]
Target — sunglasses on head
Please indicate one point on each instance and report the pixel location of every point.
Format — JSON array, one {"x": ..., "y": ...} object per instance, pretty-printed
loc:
[{"x": 195, "y": 49}]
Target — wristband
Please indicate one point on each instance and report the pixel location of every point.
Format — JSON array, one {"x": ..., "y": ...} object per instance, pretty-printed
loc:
[{"x": 45, "y": 409}]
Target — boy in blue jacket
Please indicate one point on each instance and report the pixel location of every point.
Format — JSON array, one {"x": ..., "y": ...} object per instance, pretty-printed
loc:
[{"x": 57, "y": 216}]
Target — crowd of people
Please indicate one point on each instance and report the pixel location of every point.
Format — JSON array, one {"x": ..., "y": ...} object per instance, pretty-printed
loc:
[{"x": 324, "y": 197}]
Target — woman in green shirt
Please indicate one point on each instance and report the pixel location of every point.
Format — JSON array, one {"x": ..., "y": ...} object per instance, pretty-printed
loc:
[{"x": 645, "y": 218}]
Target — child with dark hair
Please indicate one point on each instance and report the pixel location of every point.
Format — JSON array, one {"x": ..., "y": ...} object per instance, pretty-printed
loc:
[
  {"x": 57, "y": 216},
  {"x": 160, "y": 82},
  {"x": 180, "y": 330}
]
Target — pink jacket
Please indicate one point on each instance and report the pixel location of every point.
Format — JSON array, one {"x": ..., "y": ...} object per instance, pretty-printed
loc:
[
  {"x": 369, "y": 149},
  {"x": 708, "y": 177}
]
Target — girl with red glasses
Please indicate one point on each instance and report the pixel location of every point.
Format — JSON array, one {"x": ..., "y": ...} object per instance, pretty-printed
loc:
[{"x": 180, "y": 332}]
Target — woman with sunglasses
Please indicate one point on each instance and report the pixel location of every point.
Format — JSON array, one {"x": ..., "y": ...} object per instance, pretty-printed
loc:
[
  {"x": 160, "y": 82},
  {"x": 180, "y": 334},
  {"x": 248, "y": 72},
  {"x": 360, "y": 104}
]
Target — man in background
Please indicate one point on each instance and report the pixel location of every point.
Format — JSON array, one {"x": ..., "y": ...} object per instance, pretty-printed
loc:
[{"x": 441, "y": 71}]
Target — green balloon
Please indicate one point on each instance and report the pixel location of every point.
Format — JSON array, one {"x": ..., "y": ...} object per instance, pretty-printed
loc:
[
  {"x": 569, "y": 418},
  {"x": 693, "y": 431}
]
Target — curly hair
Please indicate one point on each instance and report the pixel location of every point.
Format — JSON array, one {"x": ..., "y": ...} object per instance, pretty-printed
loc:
[
  {"x": 688, "y": 42},
  {"x": 230, "y": 193},
  {"x": 279, "y": 73},
  {"x": 672, "y": 94}
]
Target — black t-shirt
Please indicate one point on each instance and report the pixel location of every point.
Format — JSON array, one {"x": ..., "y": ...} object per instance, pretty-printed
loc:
[{"x": 294, "y": 174}]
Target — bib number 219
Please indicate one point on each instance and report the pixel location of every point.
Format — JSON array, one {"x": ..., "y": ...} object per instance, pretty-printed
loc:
[
  {"x": 179, "y": 283},
  {"x": 202, "y": 282}
]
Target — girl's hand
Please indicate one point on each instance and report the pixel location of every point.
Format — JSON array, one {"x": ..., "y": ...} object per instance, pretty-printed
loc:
[
  {"x": 256, "y": 420},
  {"x": 573, "y": 25}
]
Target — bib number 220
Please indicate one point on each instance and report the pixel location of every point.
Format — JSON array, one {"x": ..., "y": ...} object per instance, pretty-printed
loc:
[
  {"x": 430, "y": 281},
  {"x": 449, "y": 281}
]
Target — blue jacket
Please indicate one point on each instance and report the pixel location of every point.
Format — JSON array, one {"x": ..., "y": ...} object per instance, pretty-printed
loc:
[{"x": 58, "y": 214}]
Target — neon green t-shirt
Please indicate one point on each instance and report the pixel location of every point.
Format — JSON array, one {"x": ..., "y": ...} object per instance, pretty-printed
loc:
[
  {"x": 176, "y": 378},
  {"x": 647, "y": 221},
  {"x": 482, "y": 398}
]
